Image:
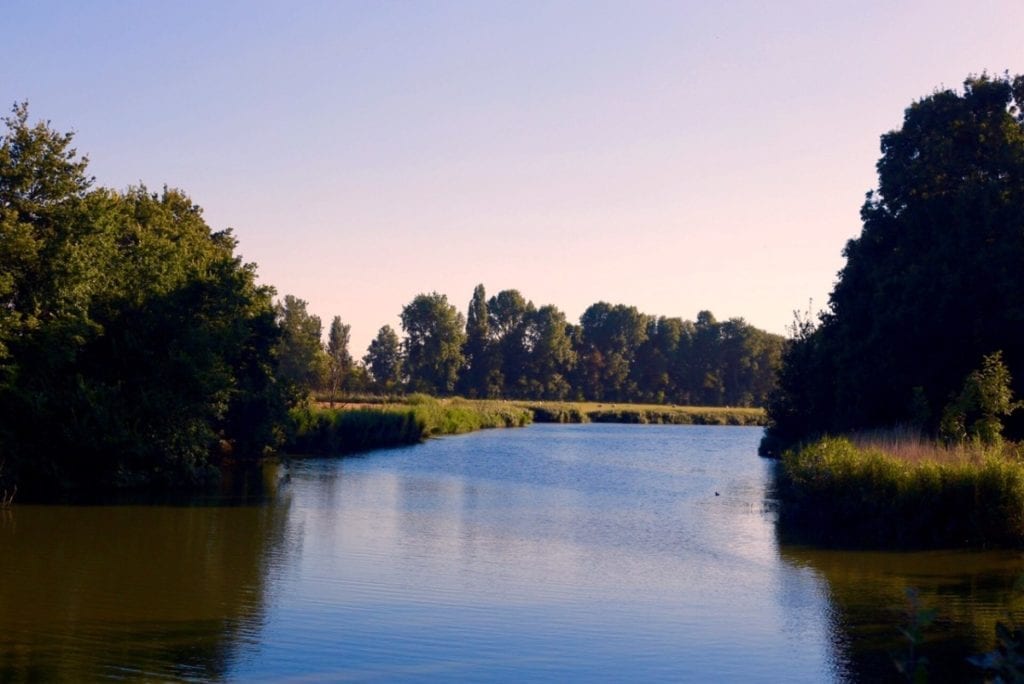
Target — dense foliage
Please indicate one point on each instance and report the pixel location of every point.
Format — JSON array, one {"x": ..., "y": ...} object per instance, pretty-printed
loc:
[
  {"x": 932, "y": 285},
  {"x": 505, "y": 347},
  {"x": 135, "y": 347}
]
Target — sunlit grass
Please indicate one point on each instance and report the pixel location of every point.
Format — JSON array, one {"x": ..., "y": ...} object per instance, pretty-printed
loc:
[
  {"x": 352, "y": 428},
  {"x": 903, "y": 493},
  {"x": 599, "y": 412}
]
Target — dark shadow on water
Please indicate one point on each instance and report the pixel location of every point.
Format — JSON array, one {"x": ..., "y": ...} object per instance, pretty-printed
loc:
[
  {"x": 867, "y": 593},
  {"x": 153, "y": 590}
]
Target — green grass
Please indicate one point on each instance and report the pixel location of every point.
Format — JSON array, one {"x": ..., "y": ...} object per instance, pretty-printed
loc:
[
  {"x": 595, "y": 412},
  {"x": 322, "y": 430},
  {"x": 836, "y": 492},
  {"x": 366, "y": 422}
]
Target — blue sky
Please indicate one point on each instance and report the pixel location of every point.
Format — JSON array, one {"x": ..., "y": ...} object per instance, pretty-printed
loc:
[{"x": 676, "y": 156}]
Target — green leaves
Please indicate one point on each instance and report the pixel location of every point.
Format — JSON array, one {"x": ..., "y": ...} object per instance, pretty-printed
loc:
[
  {"x": 433, "y": 344},
  {"x": 135, "y": 347},
  {"x": 934, "y": 280}
]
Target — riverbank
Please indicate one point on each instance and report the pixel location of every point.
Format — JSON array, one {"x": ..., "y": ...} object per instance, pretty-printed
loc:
[
  {"x": 595, "y": 412},
  {"x": 373, "y": 423},
  {"x": 322, "y": 430},
  {"x": 919, "y": 495}
]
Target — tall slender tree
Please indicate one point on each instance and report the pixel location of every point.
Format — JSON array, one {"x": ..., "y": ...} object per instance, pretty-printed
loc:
[
  {"x": 477, "y": 348},
  {"x": 339, "y": 360}
]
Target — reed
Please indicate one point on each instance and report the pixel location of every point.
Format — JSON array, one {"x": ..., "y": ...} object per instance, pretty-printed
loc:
[
  {"x": 325, "y": 431},
  {"x": 907, "y": 494},
  {"x": 594, "y": 412}
]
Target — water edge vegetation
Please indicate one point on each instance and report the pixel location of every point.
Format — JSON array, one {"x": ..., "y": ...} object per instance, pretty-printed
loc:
[{"x": 370, "y": 422}]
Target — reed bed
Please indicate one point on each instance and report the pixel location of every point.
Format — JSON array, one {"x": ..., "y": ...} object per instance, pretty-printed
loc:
[
  {"x": 594, "y": 412},
  {"x": 317, "y": 430},
  {"x": 906, "y": 494}
]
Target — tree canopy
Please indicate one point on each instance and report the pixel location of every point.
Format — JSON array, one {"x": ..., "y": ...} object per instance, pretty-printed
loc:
[
  {"x": 513, "y": 349},
  {"x": 134, "y": 345},
  {"x": 933, "y": 283},
  {"x": 433, "y": 345}
]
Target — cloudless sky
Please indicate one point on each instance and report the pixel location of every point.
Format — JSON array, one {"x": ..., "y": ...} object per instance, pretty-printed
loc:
[{"x": 676, "y": 156}]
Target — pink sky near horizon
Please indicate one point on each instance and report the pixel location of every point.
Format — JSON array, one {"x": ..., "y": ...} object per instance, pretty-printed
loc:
[{"x": 675, "y": 156}]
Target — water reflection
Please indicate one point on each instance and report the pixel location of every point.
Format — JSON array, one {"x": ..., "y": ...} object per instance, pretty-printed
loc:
[
  {"x": 558, "y": 553},
  {"x": 586, "y": 553},
  {"x": 155, "y": 592},
  {"x": 868, "y": 604}
]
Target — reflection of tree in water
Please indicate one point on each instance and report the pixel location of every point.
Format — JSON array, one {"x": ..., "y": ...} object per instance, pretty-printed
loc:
[
  {"x": 155, "y": 592},
  {"x": 867, "y": 592}
]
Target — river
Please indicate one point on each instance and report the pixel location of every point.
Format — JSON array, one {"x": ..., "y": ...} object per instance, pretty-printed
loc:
[{"x": 549, "y": 553}]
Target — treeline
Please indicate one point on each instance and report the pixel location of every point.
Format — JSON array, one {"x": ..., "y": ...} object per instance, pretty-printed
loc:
[
  {"x": 506, "y": 347},
  {"x": 925, "y": 325},
  {"x": 137, "y": 349}
]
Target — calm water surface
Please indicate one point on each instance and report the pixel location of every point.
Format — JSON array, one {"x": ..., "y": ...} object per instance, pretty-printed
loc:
[{"x": 560, "y": 553}]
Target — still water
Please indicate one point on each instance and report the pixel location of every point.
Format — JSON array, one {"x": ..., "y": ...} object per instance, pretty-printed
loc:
[{"x": 558, "y": 553}]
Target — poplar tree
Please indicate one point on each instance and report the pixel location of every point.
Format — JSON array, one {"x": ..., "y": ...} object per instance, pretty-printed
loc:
[{"x": 339, "y": 360}]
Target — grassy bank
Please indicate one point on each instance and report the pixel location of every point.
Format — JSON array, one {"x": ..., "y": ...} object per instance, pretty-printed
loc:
[
  {"x": 363, "y": 423},
  {"x": 593, "y": 412},
  {"x": 910, "y": 495},
  {"x": 325, "y": 431}
]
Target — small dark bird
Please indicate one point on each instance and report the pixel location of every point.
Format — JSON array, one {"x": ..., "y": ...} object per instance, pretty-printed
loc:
[{"x": 716, "y": 493}]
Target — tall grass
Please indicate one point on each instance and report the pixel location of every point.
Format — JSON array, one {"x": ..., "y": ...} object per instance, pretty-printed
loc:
[
  {"x": 326, "y": 431},
  {"x": 591, "y": 412},
  {"x": 914, "y": 495}
]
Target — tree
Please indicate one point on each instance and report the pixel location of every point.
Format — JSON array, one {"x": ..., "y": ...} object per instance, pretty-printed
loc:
[
  {"x": 135, "y": 347},
  {"x": 43, "y": 185},
  {"x": 339, "y": 360},
  {"x": 550, "y": 357},
  {"x": 654, "y": 367},
  {"x": 986, "y": 398},
  {"x": 384, "y": 359},
  {"x": 508, "y": 314},
  {"x": 610, "y": 337},
  {"x": 302, "y": 363},
  {"x": 933, "y": 282},
  {"x": 477, "y": 350},
  {"x": 435, "y": 334}
]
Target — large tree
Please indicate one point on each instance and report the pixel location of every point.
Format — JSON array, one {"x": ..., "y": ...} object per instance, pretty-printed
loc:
[
  {"x": 478, "y": 349},
  {"x": 435, "y": 334},
  {"x": 303, "y": 364},
  {"x": 339, "y": 359},
  {"x": 135, "y": 346},
  {"x": 934, "y": 281},
  {"x": 549, "y": 356},
  {"x": 384, "y": 359},
  {"x": 509, "y": 314},
  {"x": 610, "y": 338}
]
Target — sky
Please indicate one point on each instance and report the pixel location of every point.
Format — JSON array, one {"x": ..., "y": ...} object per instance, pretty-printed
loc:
[{"x": 675, "y": 156}]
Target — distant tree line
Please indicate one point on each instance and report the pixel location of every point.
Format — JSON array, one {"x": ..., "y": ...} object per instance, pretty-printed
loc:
[
  {"x": 137, "y": 349},
  {"x": 925, "y": 325},
  {"x": 505, "y": 347}
]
